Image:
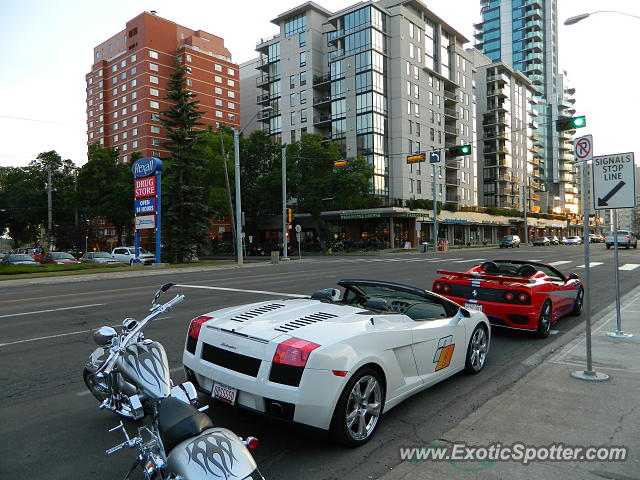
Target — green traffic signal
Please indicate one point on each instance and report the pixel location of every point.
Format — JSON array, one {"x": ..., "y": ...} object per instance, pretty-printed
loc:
[
  {"x": 458, "y": 150},
  {"x": 571, "y": 123}
]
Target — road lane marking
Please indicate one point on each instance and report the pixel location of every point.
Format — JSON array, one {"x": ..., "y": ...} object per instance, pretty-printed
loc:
[
  {"x": 629, "y": 266},
  {"x": 27, "y": 340},
  {"x": 472, "y": 260},
  {"x": 561, "y": 262},
  {"x": 241, "y": 290},
  {"x": 445, "y": 260},
  {"x": 591, "y": 264},
  {"x": 52, "y": 310}
]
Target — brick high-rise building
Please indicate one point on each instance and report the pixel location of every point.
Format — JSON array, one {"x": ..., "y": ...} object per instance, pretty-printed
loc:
[{"x": 126, "y": 87}]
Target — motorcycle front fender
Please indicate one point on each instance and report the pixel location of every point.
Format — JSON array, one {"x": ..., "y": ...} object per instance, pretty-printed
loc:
[{"x": 215, "y": 453}]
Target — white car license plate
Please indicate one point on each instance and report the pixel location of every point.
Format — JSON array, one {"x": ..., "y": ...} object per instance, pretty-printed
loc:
[
  {"x": 473, "y": 306},
  {"x": 224, "y": 392}
]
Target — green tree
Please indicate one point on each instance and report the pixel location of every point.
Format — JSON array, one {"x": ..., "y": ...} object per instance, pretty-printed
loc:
[
  {"x": 185, "y": 208},
  {"x": 313, "y": 179},
  {"x": 105, "y": 189}
]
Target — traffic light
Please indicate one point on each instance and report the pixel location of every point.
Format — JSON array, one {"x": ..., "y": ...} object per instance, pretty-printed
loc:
[
  {"x": 289, "y": 215},
  {"x": 570, "y": 123},
  {"x": 415, "y": 158},
  {"x": 340, "y": 163},
  {"x": 458, "y": 150}
]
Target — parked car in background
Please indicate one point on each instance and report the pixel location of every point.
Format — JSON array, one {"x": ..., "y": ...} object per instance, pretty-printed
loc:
[
  {"x": 35, "y": 252},
  {"x": 128, "y": 255},
  {"x": 510, "y": 241},
  {"x": 626, "y": 239},
  {"x": 574, "y": 240},
  {"x": 554, "y": 240},
  {"x": 19, "y": 259},
  {"x": 58, "y": 258},
  {"x": 542, "y": 241},
  {"x": 564, "y": 241},
  {"x": 97, "y": 257}
]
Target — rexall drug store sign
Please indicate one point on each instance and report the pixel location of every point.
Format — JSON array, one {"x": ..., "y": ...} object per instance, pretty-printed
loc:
[{"x": 147, "y": 176}]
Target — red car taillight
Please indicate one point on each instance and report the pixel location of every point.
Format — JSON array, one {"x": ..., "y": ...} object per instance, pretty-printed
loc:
[
  {"x": 508, "y": 296},
  {"x": 437, "y": 287},
  {"x": 523, "y": 298},
  {"x": 294, "y": 352},
  {"x": 196, "y": 325},
  {"x": 446, "y": 288}
]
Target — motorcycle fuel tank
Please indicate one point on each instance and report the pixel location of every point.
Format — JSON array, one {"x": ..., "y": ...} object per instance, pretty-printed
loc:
[
  {"x": 214, "y": 454},
  {"x": 145, "y": 365}
]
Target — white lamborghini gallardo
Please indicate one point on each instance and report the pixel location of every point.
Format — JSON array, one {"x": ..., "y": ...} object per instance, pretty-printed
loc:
[{"x": 333, "y": 361}]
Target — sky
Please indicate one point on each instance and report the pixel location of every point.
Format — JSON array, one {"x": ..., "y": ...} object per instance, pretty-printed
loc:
[{"x": 46, "y": 49}]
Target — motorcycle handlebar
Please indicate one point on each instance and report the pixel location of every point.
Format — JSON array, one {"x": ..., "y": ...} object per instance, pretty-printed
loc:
[{"x": 110, "y": 362}]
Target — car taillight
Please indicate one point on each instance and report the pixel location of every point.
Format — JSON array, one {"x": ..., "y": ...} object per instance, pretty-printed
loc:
[
  {"x": 294, "y": 352},
  {"x": 626, "y": 239},
  {"x": 523, "y": 298},
  {"x": 251, "y": 443},
  {"x": 508, "y": 296},
  {"x": 446, "y": 288},
  {"x": 437, "y": 287},
  {"x": 196, "y": 325}
]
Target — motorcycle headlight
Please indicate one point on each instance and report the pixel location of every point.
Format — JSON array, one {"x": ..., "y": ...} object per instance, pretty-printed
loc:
[{"x": 104, "y": 336}]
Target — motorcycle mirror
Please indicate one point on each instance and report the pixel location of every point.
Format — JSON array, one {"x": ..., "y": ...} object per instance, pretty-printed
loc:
[{"x": 166, "y": 287}]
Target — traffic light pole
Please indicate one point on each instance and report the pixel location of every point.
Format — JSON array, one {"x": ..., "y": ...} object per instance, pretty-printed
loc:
[
  {"x": 284, "y": 204},
  {"x": 435, "y": 208}
]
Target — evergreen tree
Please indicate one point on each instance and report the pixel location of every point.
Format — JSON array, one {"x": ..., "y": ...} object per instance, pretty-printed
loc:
[{"x": 185, "y": 211}]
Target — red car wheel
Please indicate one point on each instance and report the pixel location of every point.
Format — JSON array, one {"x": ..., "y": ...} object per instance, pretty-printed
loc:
[{"x": 544, "y": 321}]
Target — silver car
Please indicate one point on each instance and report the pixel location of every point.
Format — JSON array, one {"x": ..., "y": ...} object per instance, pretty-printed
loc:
[
  {"x": 97, "y": 257},
  {"x": 128, "y": 255}
]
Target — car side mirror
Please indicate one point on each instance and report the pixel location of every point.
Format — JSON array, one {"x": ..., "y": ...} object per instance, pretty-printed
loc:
[{"x": 573, "y": 276}]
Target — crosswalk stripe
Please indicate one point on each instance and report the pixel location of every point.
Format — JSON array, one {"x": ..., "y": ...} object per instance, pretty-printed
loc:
[
  {"x": 629, "y": 266},
  {"x": 591, "y": 264},
  {"x": 561, "y": 262}
]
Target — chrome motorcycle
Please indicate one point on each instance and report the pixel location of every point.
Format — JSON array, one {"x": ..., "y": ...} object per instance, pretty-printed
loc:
[
  {"x": 181, "y": 443},
  {"x": 134, "y": 376}
]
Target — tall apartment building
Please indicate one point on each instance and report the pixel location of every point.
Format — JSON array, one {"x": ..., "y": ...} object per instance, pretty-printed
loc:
[
  {"x": 524, "y": 34},
  {"x": 380, "y": 79},
  {"x": 508, "y": 160},
  {"x": 126, "y": 86}
]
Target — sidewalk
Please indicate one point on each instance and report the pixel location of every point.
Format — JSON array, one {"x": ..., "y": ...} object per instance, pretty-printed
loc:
[{"x": 548, "y": 406}]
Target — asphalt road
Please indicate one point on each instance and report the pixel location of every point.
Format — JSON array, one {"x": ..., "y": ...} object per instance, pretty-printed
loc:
[{"x": 51, "y": 428}]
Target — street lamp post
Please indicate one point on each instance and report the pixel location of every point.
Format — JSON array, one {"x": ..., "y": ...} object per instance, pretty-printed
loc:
[
  {"x": 236, "y": 161},
  {"x": 577, "y": 18}
]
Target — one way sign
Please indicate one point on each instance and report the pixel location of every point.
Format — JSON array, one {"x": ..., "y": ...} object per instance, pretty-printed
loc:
[{"x": 614, "y": 181}]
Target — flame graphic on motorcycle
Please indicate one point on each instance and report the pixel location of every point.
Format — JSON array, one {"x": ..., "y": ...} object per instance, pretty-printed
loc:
[
  {"x": 148, "y": 363},
  {"x": 214, "y": 453}
]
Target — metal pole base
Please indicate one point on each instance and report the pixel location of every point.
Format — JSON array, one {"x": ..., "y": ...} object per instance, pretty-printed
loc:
[
  {"x": 590, "y": 375},
  {"x": 619, "y": 334}
]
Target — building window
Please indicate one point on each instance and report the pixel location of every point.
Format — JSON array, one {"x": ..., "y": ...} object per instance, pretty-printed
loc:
[
  {"x": 155, "y": 129},
  {"x": 134, "y": 83},
  {"x": 123, "y": 75},
  {"x": 231, "y": 83},
  {"x": 303, "y": 115},
  {"x": 124, "y": 111},
  {"x": 231, "y": 94},
  {"x": 153, "y": 92},
  {"x": 154, "y": 104},
  {"x": 155, "y": 142},
  {"x": 303, "y": 97},
  {"x": 218, "y": 114},
  {"x": 114, "y": 68},
  {"x": 133, "y": 58},
  {"x": 189, "y": 82},
  {"x": 153, "y": 67},
  {"x": 188, "y": 57},
  {"x": 292, "y": 81},
  {"x": 114, "y": 80},
  {"x": 134, "y": 132},
  {"x": 293, "y": 118},
  {"x": 134, "y": 144},
  {"x": 217, "y": 79},
  {"x": 153, "y": 54},
  {"x": 303, "y": 59},
  {"x": 292, "y": 99},
  {"x": 134, "y": 95},
  {"x": 134, "y": 119},
  {"x": 155, "y": 117},
  {"x": 303, "y": 78},
  {"x": 232, "y": 117},
  {"x": 231, "y": 72},
  {"x": 231, "y": 105},
  {"x": 217, "y": 91},
  {"x": 302, "y": 39},
  {"x": 153, "y": 79},
  {"x": 116, "y": 138},
  {"x": 218, "y": 102},
  {"x": 115, "y": 103},
  {"x": 124, "y": 149},
  {"x": 217, "y": 68}
]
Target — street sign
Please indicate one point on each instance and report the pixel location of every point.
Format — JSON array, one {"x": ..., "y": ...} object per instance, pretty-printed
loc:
[
  {"x": 298, "y": 228},
  {"x": 145, "y": 221},
  {"x": 145, "y": 187},
  {"x": 146, "y": 205},
  {"x": 434, "y": 156},
  {"x": 583, "y": 149},
  {"x": 614, "y": 181}
]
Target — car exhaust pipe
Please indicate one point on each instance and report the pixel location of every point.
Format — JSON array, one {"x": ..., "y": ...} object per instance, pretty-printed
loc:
[{"x": 276, "y": 409}]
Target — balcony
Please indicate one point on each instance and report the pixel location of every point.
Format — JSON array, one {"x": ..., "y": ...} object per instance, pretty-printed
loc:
[
  {"x": 500, "y": 78},
  {"x": 264, "y": 79},
  {"x": 450, "y": 96},
  {"x": 535, "y": 196},
  {"x": 534, "y": 36},
  {"x": 497, "y": 106},
  {"x": 534, "y": 14},
  {"x": 320, "y": 119},
  {"x": 452, "y": 181},
  {"x": 454, "y": 198},
  {"x": 534, "y": 47},
  {"x": 501, "y": 92},
  {"x": 320, "y": 79},
  {"x": 321, "y": 100},
  {"x": 265, "y": 97},
  {"x": 534, "y": 24},
  {"x": 335, "y": 55},
  {"x": 450, "y": 130},
  {"x": 451, "y": 113}
]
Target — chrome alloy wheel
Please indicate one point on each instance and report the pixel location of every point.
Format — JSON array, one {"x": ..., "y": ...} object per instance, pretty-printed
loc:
[
  {"x": 544, "y": 322},
  {"x": 363, "y": 407},
  {"x": 478, "y": 349}
]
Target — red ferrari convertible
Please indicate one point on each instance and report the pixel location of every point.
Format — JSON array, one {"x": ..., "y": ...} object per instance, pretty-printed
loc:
[{"x": 514, "y": 293}]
